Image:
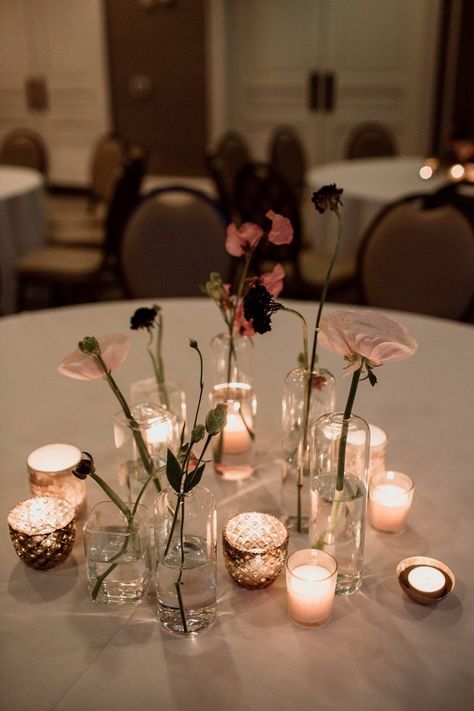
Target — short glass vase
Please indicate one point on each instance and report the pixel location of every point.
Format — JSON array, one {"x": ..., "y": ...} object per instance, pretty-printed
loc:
[
  {"x": 296, "y": 454},
  {"x": 169, "y": 395},
  {"x": 186, "y": 550},
  {"x": 338, "y": 517},
  {"x": 117, "y": 554}
]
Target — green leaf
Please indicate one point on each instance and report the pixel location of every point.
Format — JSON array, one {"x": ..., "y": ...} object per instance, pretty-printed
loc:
[
  {"x": 216, "y": 419},
  {"x": 193, "y": 478},
  {"x": 174, "y": 472}
]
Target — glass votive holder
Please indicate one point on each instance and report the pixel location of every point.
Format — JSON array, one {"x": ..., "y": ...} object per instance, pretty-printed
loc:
[
  {"x": 255, "y": 547},
  {"x": 50, "y": 471},
  {"x": 42, "y": 530},
  {"x": 310, "y": 586},
  {"x": 390, "y": 499},
  {"x": 377, "y": 451},
  {"x": 234, "y": 447},
  {"x": 169, "y": 395},
  {"x": 156, "y": 429}
]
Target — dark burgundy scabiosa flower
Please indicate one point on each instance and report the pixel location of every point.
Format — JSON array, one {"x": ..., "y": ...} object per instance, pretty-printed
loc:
[
  {"x": 259, "y": 306},
  {"x": 327, "y": 198},
  {"x": 144, "y": 318},
  {"x": 85, "y": 467}
]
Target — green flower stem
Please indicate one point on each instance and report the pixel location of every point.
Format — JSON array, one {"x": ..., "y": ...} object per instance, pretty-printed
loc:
[
  {"x": 201, "y": 388},
  {"x": 178, "y": 582},
  {"x": 341, "y": 459},
  {"x": 120, "y": 504},
  {"x": 238, "y": 298},
  {"x": 143, "y": 451},
  {"x": 305, "y": 334}
]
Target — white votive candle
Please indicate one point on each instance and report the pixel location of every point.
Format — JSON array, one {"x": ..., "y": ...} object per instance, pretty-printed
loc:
[
  {"x": 236, "y": 436},
  {"x": 311, "y": 585},
  {"x": 427, "y": 579},
  {"x": 390, "y": 498},
  {"x": 377, "y": 450}
]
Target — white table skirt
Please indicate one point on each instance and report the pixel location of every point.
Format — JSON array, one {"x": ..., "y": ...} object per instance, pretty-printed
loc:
[
  {"x": 368, "y": 186},
  {"x": 22, "y": 225},
  {"x": 379, "y": 651}
]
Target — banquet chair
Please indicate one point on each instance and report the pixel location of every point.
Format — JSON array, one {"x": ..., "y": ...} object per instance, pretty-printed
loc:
[
  {"x": 370, "y": 140},
  {"x": 417, "y": 259},
  {"x": 73, "y": 273},
  {"x": 286, "y": 154},
  {"x": 224, "y": 163},
  {"x": 460, "y": 194},
  {"x": 174, "y": 239},
  {"x": 25, "y": 148},
  {"x": 77, "y": 219}
]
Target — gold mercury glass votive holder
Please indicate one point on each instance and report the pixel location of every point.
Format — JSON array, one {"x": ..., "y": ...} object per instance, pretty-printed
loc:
[
  {"x": 255, "y": 548},
  {"x": 42, "y": 530}
]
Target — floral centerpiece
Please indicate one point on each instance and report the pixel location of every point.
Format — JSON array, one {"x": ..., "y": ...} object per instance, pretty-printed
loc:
[{"x": 317, "y": 385}]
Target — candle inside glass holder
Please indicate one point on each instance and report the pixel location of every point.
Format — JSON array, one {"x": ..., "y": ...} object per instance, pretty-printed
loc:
[
  {"x": 50, "y": 471},
  {"x": 43, "y": 530},
  {"x": 390, "y": 499},
  {"x": 255, "y": 547},
  {"x": 234, "y": 447},
  {"x": 377, "y": 451},
  {"x": 310, "y": 585}
]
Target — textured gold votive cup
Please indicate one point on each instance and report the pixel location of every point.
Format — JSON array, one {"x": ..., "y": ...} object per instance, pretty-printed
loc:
[
  {"x": 42, "y": 530},
  {"x": 255, "y": 547},
  {"x": 406, "y": 566}
]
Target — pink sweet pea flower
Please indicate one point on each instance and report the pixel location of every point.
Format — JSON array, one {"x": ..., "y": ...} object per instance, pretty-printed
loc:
[
  {"x": 82, "y": 366},
  {"x": 273, "y": 281},
  {"x": 239, "y": 240},
  {"x": 359, "y": 335},
  {"x": 282, "y": 230}
]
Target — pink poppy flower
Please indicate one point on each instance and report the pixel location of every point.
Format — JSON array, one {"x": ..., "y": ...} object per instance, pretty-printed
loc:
[
  {"x": 246, "y": 237},
  {"x": 282, "y": 230},
  {"x": 273, "y": 281},
  {"x": 359, "y": 335},
  {"x": 113, "y": 349}
]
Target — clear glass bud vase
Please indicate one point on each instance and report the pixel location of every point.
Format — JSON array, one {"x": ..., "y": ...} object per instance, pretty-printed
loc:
[
  {"x": 186, "y": 550},
  {"x": 155, "y": 430},
  {"x": 169, "y": 395},
  {"x": 234, "y": 449},
  {"x": 296, "y": 451},
  {"x": 338, "y": 513}
]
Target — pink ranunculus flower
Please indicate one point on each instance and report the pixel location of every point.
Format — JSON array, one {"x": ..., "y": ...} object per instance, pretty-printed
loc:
[
  {"x": 239, "y": 239},
  {"x": 282, "y": 230},
  {"x": 359, "y": 335},
  {"x": 113, "y": 349},
  {"x": 273, "y": 281}
]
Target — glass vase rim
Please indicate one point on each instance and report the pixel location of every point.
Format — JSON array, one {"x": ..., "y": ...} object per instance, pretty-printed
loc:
[
  {"x": 338, "y": 417},
  {"x": 316, "y": 370},
  {"x": 199, "y": 487},
  {"x": 159, "y": 413},
  {"x": 142, "y": 511},
  {"x": 235, "y": 336}
]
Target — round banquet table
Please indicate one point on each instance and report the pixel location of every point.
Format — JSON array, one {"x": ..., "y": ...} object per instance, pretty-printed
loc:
[
  {"x": 368, "y": 185},
  {"x": 22, "y": 224},
  {"x": 379, "y": 649}
]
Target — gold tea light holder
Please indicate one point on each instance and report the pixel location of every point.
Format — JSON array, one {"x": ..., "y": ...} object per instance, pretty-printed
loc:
[
  {"x": 425, "y": 580},
  {"x": 255, "y": 548},
  {"x": 42, "y": 530},
  {"x": 50, "y": 472}
]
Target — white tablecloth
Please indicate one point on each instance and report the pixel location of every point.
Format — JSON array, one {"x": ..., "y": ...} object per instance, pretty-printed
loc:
[
  {"x": 379, "y": 651},
  {"x": 368, "y": 185},
  {"x": 22, "y": 224}
]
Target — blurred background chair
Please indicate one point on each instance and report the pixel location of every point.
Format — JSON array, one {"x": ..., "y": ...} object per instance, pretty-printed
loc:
[
  {"x": 286, "y": 154},
  {"x": 25, "y": 148},
  {"x": 174, "y": 239},
  {"x": 224, "y": 163},
  {"x": 77, "y": 218},
  {"x": 74, "y": 273},
  {"x": 417, "y": 259},
  {"x": 370, "y": 140},
  {"x": 459, "y": 194}
]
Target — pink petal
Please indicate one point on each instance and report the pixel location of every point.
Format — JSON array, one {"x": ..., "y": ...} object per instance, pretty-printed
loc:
[
  {"x": 282, "y": 230},
  {"x": 233, "y": 242},
  {"x": 273, "y": 281},
  {"x": 114, "y": 350}
]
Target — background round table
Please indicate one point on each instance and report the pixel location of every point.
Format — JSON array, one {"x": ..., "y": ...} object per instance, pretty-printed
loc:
[
  {"x": 22, "y": 224},
  {"x": 379, "y": 650},
  {"x": 368, "y": 186}
]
